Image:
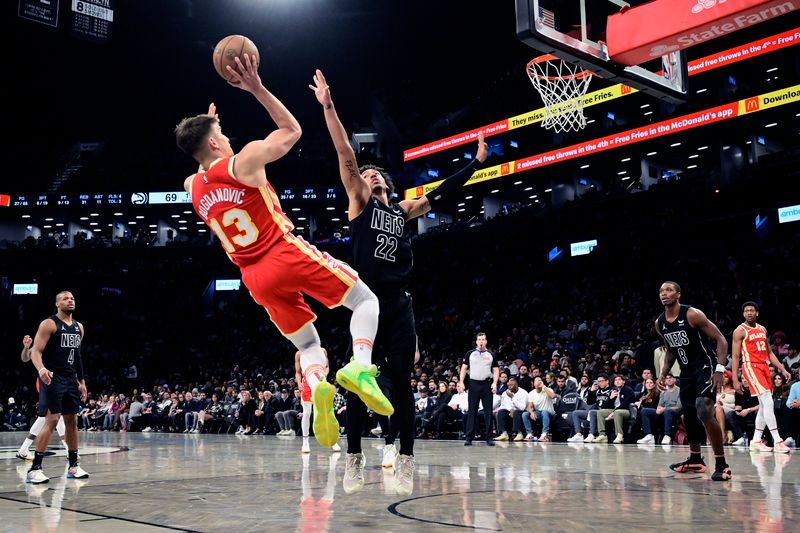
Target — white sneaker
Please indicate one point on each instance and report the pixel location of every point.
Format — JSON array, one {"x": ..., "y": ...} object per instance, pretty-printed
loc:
[
  {"x": 187, "y": 430},
  {"x": 389, "y": 456},
  {"x": 36, "y": 477},
  {"x": 404, "y": 475},
  {"x": 741, "y": 441},
  {"x": 577, "y": 437},
  {"x": 789, "y": 442},
  {"x": 589, "y": 438},
  {"x": 377, "y": 431},
  {"x": 647, "y": 439},
  {"x": 502, "y": 436},
  {"x": 25, "y": 455},
  {"x": 781, "y": 447},
  {"x": 336, "y": 447},
  {"x": 353, "y": 473},
  {"x": 238, "y": 431},
  {"x": 146, "y": 430},
  {"x": 306, "y": 448},
  {"x": 619, "y": 439},
  {"x": 667, "y": 440},
  {"x": 759, "y": 446},
  {"x": 283, "y": 432},
  {"x": 76, "y": 472}
]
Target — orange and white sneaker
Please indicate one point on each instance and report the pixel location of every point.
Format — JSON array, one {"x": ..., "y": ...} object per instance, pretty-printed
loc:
[
  {"x": 759, "y": 446},
  {"x": 781, "y": 447}
]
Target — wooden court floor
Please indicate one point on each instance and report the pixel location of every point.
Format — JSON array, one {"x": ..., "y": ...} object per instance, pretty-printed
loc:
[{"x": 159, "y": 482}]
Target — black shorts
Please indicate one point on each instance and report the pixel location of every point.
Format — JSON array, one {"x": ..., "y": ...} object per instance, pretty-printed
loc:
[
  {"x": 696, "y": 384},
  {"x": 62, "y": 395},
  {"x": 396, "y": 341}
]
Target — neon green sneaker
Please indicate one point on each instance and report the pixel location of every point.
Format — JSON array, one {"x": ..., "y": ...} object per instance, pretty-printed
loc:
[
  {"x": 326, "y": 427},
  {"x": 361, "y": 380}
]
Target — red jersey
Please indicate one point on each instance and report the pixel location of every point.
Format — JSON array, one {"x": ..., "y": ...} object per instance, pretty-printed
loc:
[
  {"x": 755, "y": 348},
  {"x": 247, "y": 220}
]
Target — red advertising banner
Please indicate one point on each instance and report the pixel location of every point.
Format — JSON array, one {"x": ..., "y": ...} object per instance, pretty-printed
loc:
[{"x": 649, "y": 31}]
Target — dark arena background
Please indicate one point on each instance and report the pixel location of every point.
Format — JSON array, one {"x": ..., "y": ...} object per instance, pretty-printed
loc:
[{"x": 556, "y": 249}]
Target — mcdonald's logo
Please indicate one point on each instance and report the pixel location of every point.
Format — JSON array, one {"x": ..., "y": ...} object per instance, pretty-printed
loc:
[
  {"x": 624, "y": 89},
  {"x": 751, "y": 104},
  {"x": 420, "y": 191},
  {"x": 505, "y": 168}
]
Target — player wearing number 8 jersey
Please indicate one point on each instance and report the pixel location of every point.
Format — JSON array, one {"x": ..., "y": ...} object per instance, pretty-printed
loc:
[
  {"x": 232, "y": 195},
  {"x": 682, "y": 327},
  {"x": 751, "y": 343}
]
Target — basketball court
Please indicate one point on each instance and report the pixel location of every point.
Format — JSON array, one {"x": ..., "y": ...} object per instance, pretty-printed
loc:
[
  {"x": 152, "y": 482},
  {"x": 581, "y": 57}
]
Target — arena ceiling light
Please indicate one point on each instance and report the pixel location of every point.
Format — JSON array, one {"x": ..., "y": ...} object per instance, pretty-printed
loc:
[
  {"x": 93, "y": 223},
  {"x": 84, "y": 218},
  {"x": 132, "y": 223},
  {"x": 47, "y": 226},
  {"x": 176, "y": 216},
  {"x": 183, "y": 228},
  {"x": 336, "y": 219},
  {"x": 153, "y": 231},
  {"x": 462, "y": 210},
  {"x": 60, "y": 225},
  {"x": 153, "y": 225},
  {"x": 461, "y": 204},
  {"x": 626, "y": 178},
  {"x": 94, "y": 214},
  {"x": 139, "y": 217},
  {"x": 691, "y": 166},
  {"x": 626, "y": 159},
  {"x": 771, "y": 124},
  {"x": 301, "y": 218},
  {"x": 590, "y": 121},
  {"x": 201, "y": 231},
  {"x": 470, "y": 196},
  {"x": 179, "y": 222},
  {"x": 495, "y": 191},
  {"x": 48, "y": 219},
  {"x": 694, "y": 156},
  {"x": 533, "y": 196},
  {"x": 644, "y": 106},
  {"x": 330, "y": 208},
  {"x": 517, "y": 183},
  {"x": 648, "y": 113},
  {"x": 773, "y": 69},
  {"x": 548, "y": 190},
  {"x": 528, "y": 188},
  {"x": 199, "y": 222},
  {"x": 702, "y": 148},
  {"x": 26, "y": 216},
  {"x": 621, "y": 173},
  {"x": 117, "y": 214},
  {"x": 295, "y": 209},
  {"x": 673, "y": 145},
  {"x": 652, "y": 153},
  {"x": 700, "y": 91},
  {"x": 96, "y": 229},
  {"x": 187, "y": 212}
]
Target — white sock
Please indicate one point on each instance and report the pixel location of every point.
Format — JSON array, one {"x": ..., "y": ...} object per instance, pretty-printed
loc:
[
  {"x": 305, "y": 423},
  {"x": 26, "y": 445},
  {"x": 364, "y": 322},
  {"x": 768, "y": 416},
  {"x": 776, "y": 437},
  {"x": 312, "y": 357}
]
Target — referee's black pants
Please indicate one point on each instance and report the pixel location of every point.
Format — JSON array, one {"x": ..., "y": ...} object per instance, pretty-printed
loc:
[{"x": 479, "y": 391}]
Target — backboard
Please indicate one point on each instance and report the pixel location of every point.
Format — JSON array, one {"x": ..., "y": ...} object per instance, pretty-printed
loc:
[{"x": 575, "y": 31}]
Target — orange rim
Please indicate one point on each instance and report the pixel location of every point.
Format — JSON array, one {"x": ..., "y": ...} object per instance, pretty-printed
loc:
[{"x": 547, "y": 58}]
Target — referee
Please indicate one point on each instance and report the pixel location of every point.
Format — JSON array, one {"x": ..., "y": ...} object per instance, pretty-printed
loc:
[{"x": 483, "y": 375}]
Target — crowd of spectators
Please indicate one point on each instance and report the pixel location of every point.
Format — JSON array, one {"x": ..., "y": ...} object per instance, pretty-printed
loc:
[{"x": 164, "y": 351}]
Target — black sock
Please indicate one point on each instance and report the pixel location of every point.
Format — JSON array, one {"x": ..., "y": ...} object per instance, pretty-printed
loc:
[
  {"x": 720, "y": 463},
  {"x": 37, "y": 460},
  {"x": 73, "y": 458},
  {"x": 695, "y": 458}
]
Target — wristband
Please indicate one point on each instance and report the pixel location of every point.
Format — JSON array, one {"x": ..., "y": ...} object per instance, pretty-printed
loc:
[
  {"x": 720, "y": 368},
  {"x": 40, "y": 370}
]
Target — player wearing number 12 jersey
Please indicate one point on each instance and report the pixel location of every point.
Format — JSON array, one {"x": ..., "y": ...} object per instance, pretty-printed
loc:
[
  {"x": 751, "y": 343},
  {"x": 232, "y": 195},
  {"x": 382, "y": 253},
  {"x": 683, "y": 327}
]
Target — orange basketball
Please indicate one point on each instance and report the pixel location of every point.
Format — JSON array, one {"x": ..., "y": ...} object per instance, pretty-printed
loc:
[{"x": 228, "y": 49}]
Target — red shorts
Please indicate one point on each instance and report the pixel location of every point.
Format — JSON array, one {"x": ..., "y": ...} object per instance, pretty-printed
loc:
[
  {"x": 758, "y": 377},
  {"x": 293, "y": 267},
  {"x": 305, "y": 392}
]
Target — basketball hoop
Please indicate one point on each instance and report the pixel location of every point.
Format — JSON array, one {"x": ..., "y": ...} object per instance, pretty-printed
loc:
[{"x": 562, "y": 87}]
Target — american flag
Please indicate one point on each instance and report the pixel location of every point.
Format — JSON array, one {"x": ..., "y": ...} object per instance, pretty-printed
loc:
[{"x": 547, "y": 17}]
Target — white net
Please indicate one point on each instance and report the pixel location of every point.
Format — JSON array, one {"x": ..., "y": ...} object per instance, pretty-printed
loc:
[{"x": 562, "y": 87}]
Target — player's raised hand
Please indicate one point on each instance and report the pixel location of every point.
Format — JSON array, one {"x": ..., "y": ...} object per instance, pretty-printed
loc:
[
  {"x": 483, "y": 148},
  {"x": 245, "y": 75},
  {"x": 321, "y": 89},
  {"x": 27, "y": 341}
]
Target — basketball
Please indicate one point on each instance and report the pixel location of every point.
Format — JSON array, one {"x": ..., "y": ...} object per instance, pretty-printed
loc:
[{"x": 228, "y": 49}]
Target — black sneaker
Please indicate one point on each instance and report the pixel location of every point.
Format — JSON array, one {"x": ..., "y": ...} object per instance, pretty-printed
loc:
[
  {"x": 722, "y": 475},
  {"x": 468, "y": 442},
  {"x": 688, "y": 466},
  {"x": 490, "y": 442}
]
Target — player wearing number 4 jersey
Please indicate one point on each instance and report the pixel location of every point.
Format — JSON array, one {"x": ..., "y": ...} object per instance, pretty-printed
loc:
[
  {"x": 382, "y": 253},
  {"x": 683, "y": 327},
  {"x": 232, "y": 195},
  {"x": 751, "y": 343}
]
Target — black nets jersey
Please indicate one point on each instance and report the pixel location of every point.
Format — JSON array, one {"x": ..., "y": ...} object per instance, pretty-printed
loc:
[
  {"x": 382, "y": 246},
  {"x": 62, "y": 354},
  {"x": 685, "y": 342}
]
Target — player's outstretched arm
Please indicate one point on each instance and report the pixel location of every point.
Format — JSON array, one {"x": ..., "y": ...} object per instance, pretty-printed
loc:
[
  {"x": 358, "y": 190},
  {"x": 249, "y": 165},
  {"x": 449, "y": 187}
]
